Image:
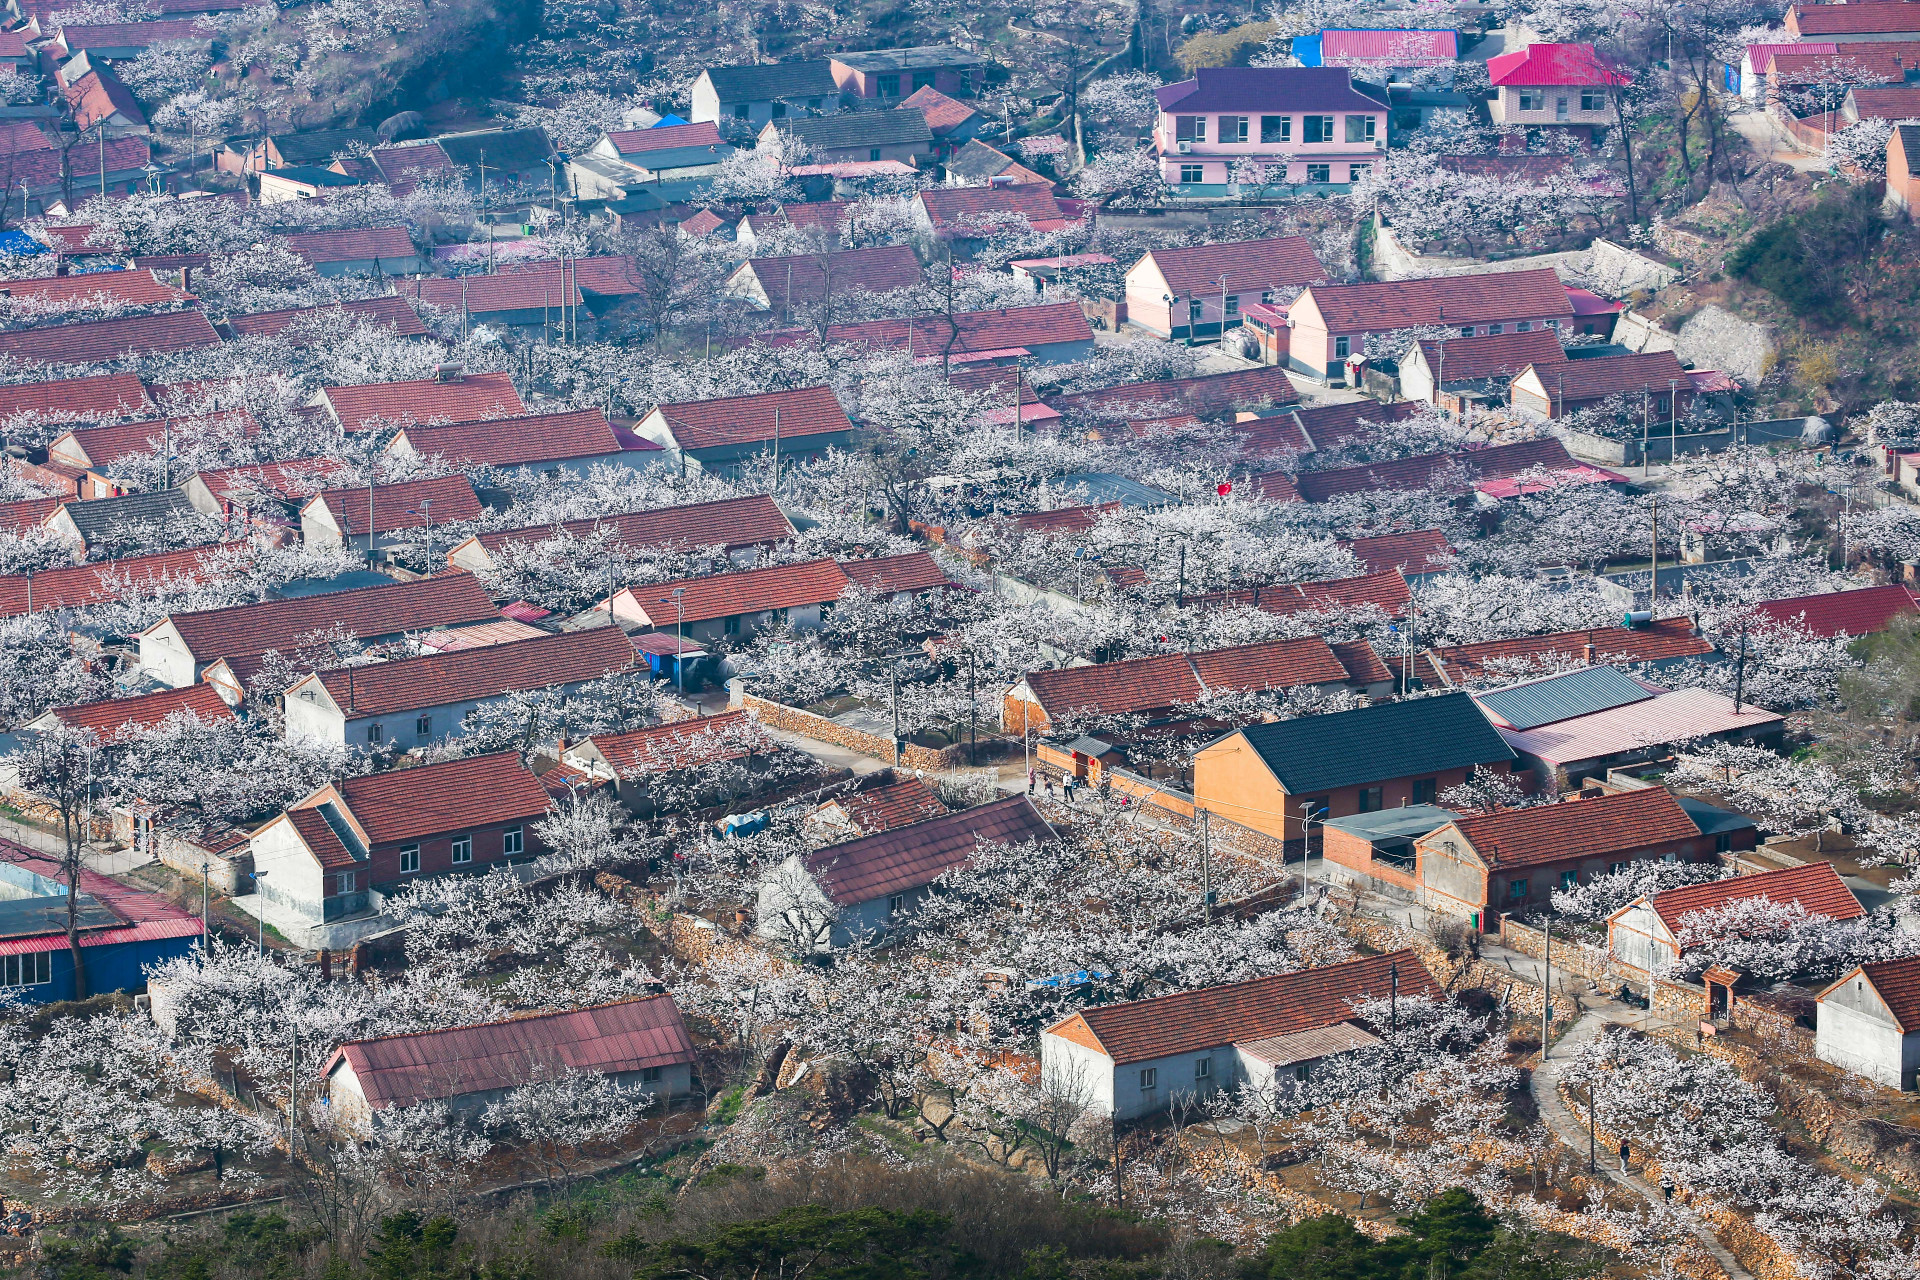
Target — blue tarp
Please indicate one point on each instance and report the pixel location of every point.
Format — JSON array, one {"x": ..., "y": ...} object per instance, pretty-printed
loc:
[
  {"x": 1078, "y": 978},
  {"x": 1306, "y": 49},
  {"x": 667, "y": 121},
  {"x": 19, "y": 244}
]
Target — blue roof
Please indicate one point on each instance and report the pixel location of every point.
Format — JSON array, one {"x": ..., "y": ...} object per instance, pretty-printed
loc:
[
  {"x": 1556, "y": 698},
  {"x": 19, "y": 244},
  {"x": 667, "y": 121},
  {"x": 1306, "y": 50},
  {"x": 1105, "y": 486}
]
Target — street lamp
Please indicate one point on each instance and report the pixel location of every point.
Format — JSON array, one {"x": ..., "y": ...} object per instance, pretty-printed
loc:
[
  {"x": 426, "y": 513},
  {"x": 1306, "y": 839},
  {"x": 679, "y": 640},
  {"x": 260, "y": 906}
]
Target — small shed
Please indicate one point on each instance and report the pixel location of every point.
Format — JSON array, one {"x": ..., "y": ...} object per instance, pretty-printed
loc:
[{"x": 1869, "y": 1022}]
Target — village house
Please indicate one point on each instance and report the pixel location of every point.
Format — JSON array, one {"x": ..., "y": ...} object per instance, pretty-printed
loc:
[
  {"x": 866, "y": 888},
  {"x": 815, "y": 277},
  {"x": 1143, "y": 1056},
  {"x": 47, "y": 183},
  {"x": 880, "y": 801},
  {"x": 1249, "y": 128},
  {"x": 1453, "y": 373},
  {"x": 1869, "y": 1022},
  {"x": 637, "y": 1044},
  {"x": 1863, "y": 612},
  {"x": 100, "y": 100},
  {"x": 122, "y": 931},
  {"x": 798, "y": 594},
  {"x": 892, "y": 73},
  {"x": 1554, "y": 85},
  {"x": 1875, "y": 21},
  {"x": 423, "y": 701},
  {"x": 522, "y": 299},
  {"x": 295, "y": 325},
  {"x": 358, "y": 251},
  {"x": 110, "y": 524},
  {"x": 1387, "y": 591},
  {"x": 278, "y": 186},
  {"x": 670, "y": 160},
  {"x": 1273, "y": 777},
  {"x": 1329, "y": 324},
  {"x": 331, "y": 854},
  {"x": 99, "y": 341},
  {"x": 82, "y": 585},
  {"x": 1658, "y": 644},
  {"x": 179, "y": 648},
  {"x": 1411, "y": 555},
  {"x": 639, "y": 763},
  {"x": 976, "y": 164},
  {"x": 1574, "y": 726},
  {"x": 291, "y": 150},
  {"x": 79, "y": 459},
  {"x": 576, "y": 441},
  {"x": 743, "y": 527},
  {"x": 90, "y": 399},
  {"x": 1051, "y": 333},
  {"x": 951, "y": 122},
  {"x": 266, "y": 494},
  {"x": 1185, "y": 292},
  {"x": 767, "y": 91},
  {"x": 1209, "y": 397},
  {"x": 719, "y": 435},
  {"x": 901, "y": 135},
  {"x": 1513, "y": 860},
  {"x": 1652, "y": 382},
  {"x": 452, "y": 396},
  {"x": 1759, "y": 57},
  {"x": 1480, "y": 465},
  {"x": 1644, "y": 936},
  {"x": 116, "y": 719},
  {"x": 373, "y": 518},
  {"x": 966, "y": 217},
  {"x": 1379, "y": 56},
  {"x": 1163, "y": 685},
  {"x": 124, "y": 41},
  {"x": 824, "y": 220}
]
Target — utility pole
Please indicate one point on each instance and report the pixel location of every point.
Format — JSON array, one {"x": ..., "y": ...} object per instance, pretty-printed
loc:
[
  {"x": 1592, "y": 1140},
  {"x": 1393, "y": 975},
  {"x": 204, "y": 886},
  {"x": 1740, "y": 669},
  {"x": 1653, "y": 575},
  {"x": 973, "y": 714},
  {"x": 1646, "y": 462},
  {"x": 1206, "y": 866},
  {"x": 776, "y": 450},
  {"x": 893, "y": 697},
  {"x": 1546, "y": 992}
]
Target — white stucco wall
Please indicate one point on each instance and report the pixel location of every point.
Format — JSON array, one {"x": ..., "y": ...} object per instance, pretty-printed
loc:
[
  {"x": 164, "y": 656},
  {"x": 1063, "y": 1060},
  {"x": 293, "y": 878}
]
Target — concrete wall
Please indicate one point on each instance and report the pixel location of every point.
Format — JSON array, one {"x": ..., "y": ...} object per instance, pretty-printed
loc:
[
  {"x": 294, "y": 880},
  {"x": 1063, "y": 1060},
  {"x": 164, "y": 656}
]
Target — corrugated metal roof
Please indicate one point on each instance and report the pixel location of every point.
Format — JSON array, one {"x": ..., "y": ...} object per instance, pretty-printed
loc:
[
  {"x": 1303, "y": 1046},
  {"x": 1674, "y": 717},
  {"x": 1407, "y": 820},
  {"x": 1532, "y": 703},
  {"x": 1398, "y": 48}
]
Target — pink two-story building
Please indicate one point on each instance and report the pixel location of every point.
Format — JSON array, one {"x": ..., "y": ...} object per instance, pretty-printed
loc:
[
  {"x": 1241, "y": 127},
  {"x": 1329, "y": 324}
]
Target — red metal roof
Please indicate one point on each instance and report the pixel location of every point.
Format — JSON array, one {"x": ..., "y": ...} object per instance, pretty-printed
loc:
[
  {"x": 1215, "y": 1017},
  {"x": 518, "y": 442},
  {"x": 1855, "y": 613},
  {"x": 919, "y": 853},
  {"x": 148, "y": 917},
  {"x": 1406, "y": 48},
  {"x": 101, "y": 340},
  {"x": 389, "y": 313},
  {"x": 612, "y": 1039},
  {"x": 1554, "y": 64},
  {"x": 368, "y": 612},
  {"x": 735, "y": 420},
  {"x": 1196, "y": 271},
  {"x": 110, "y": 720},
  {"x": 103, "y": 395},
  {"x": 1618, "y": 824},
  {"x": 729, "y": 522},
  {"x": 1759, "y": 55},
  {"x": 434, "y": 799},
  {"x": 1815, "y": 886},
  {"x": 360, "y": 244},
  {"x": 469, "y": 398},
  {"x": 91, "y": 583},
  {"x": 468, "y": 675},
  {"x": 400, "y": 506}
]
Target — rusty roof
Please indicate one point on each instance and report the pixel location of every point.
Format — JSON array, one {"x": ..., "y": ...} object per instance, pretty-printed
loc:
[
  {"x": 611, "y": 1039},
  {"x": 1618, "y": 824},
  {"x": 470, "y": 675},
  {"x": 1259, "y": 1009},
  {"x": 919, "y": 853},
  {"x": 1814, "y": 885}
]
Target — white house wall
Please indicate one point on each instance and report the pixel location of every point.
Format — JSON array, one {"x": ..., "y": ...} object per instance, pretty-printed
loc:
[
  {"x": 292, "y": 876},
  {"x": 1063, "y": 1060},
  {"x": 1857, "y": 1041},
  {"x": 165, "y": 656}
]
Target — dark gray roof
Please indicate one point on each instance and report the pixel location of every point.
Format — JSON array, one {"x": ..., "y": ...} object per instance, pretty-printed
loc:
[
  {"x": 1104, "y": 486},
  {"x": 1550, "y": 699},
  {"x": 314, "y": 176},
  {"x": 1909, "y": 142},
  {"x": 1409, "y": 821},
  {"x": 920, "y": 56},
  {"x": 1372, "y": 744},
  {"x": 977, "y": 160},
  {"x": 509, "y": 150},
  {"x": 320, "y": 146},
  {"x": 1711, "y": 819},
  {"x": 904, "y": 126},
  {"x": 769, "y": 81},
  {"x": 100, "y": 518}
]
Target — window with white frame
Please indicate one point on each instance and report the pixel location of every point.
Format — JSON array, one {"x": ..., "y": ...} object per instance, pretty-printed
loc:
[
  {"x": 1355, "y": 172},
  {"x": 423, "y": 726},
  {"x": 1342, "y": 348},
  {"x": 1319, "y": 173},
  {"x": 511, "y": 842},
  {"x": 26, "y": 971},
  {"x": 347, "y": 880},
  {"x": 1276, "y": 128},
  {"x": 896, "y": 903},
  {"x": 1525, "y": 326},
  {"x": 1149, "y": 1078},
  {"x": 1203, "y": 1068},
  {"x": 409, "y": 859},
  {"x": 462, "y": 850},
  {"x": 1233, "y": 128},
  {"x": 1530, "y": 101},
  {"x": 1593, "y": 100}
]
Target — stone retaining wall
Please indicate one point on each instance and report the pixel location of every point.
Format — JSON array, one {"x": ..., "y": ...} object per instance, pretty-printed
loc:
[
  {"x": 1678, "y": 999},
  {"x": 807, "y": 724}
]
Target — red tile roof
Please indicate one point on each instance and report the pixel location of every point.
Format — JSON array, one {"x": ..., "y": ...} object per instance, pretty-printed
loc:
[
  {"x": 1210, "y": 396},
  {"x": 712, "y": 424},
  {"x": 1387, "y": 590},
  {"x": 663, "y": 748},
  {"x": 1238, "y": 1012},
  {"x": 888, "y": 575},
  {"x": 405, "y": 168},
  {"x": 1665, "y": 639},
  {"x": 1853, "y": 19},
  {"x": 100, "y": 340},
  {"x": 814, "y": 215},
  {"x": 103, "y": 395},
  {"x": 1330, "y": 425},
  {"x": 121, "y": 35},
  {"x": 806, "y": 277},
  {"x": 1273, "y": 486},
  {"x": 18, "y": 517},
  {"x": 1416, "y": 473},
  {"x": 468, "y": 675},
  {"x": 1855, "y": 61},
  {"x": 1195, "y": 271},
  {"x": 610, "y": 276},
  {"x": 943, "y": 114},
  {"x": 1422, "y": 552},
  {"x": 434, "y": 799},
  {"x": 100, "y": 95},
  {"x": 724, "y": 595},
  {"x": 1554, "y": 64},
  {"x": 969, "y": 207},
  {"x": 88, "y": 584},
  {"x": 389, "y": 313},
  {"x": 288, "y": 481},
  {"x": 117, "y": 717},
  {"x": 1364, "y": 666},
  {"x": 1064, "y": 519},
  {"x": 703, "y": 223},
  {"x": 247, "y": 630},
  {"x": 360, "y": 244},
  {"x": 40, "y": 170},
  {"x": 474, "y": 397},
  {"x": 1046, "y": 325},
  {"x": 1635, "y": 374},
  {"x": 1496, "y": 354},
  {"x": 1814, "y": 885},
  {"x": 1622, "y": 823},
  {"x": 916, "y": 855},
  {"x": 636, "y": 143},
  {"x": 1855, "y": 613},
  {"x": 501, "y": 291},
  {"x": 1898, "y": 982},
  {"x": 99, "y": 446},
  {"x": 133, "y": 288},
  {"x": 898, "y": 804},
  {"x": 1164, "y": 681},
  {"x": 321, "y": 839},
  {"x": 612, "y": 1039},
  {"x": 729, "y": 522},
  {"x": 1461, "y": 300},
  {"x": 400, "y": 506},
  {"x": 529, "y": 441}
]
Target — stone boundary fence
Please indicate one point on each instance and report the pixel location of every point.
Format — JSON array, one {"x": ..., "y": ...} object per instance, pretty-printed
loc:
[
  {"x": 808, "y": 725},
  {"x": 1678, "y": 999}
]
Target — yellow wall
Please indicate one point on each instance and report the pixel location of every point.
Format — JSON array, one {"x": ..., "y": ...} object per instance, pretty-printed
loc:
[{"x": 1229, "y": 779}]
